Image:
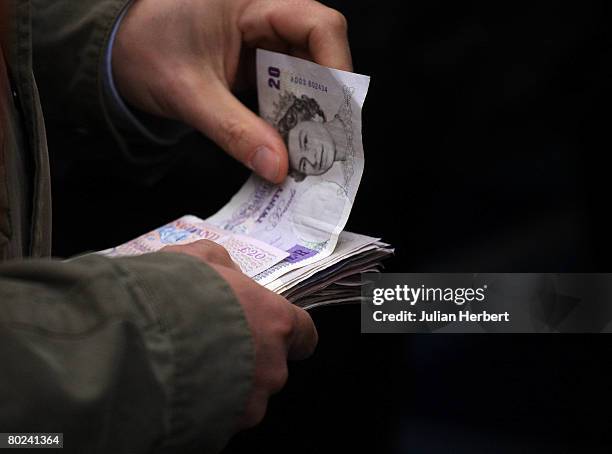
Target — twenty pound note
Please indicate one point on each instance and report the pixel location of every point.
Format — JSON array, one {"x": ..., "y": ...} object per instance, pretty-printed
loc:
[
  {"x": 270, "y": 230},
  {"x": 317, "y": 111},
  {"x": 252, "y": 256}
]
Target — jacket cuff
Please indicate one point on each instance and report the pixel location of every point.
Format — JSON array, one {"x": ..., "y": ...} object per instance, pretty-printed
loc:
[
  {"x": 212, "y": 349},
  {"x": 99, "y": 22},
  {"x": 160, "y": 131}
]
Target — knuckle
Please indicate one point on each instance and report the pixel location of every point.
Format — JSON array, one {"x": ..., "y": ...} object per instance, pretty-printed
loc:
[
  {"x": 337, "y": 20},
  {"x": 233, "y": 132},
  {"x": 201, "y": 247},
  {"x": 221, "y": 254},
  {"x": 213, "y": 252},
  {"x": 205, "y": 244},
  {"x": 285, "y": 320}
]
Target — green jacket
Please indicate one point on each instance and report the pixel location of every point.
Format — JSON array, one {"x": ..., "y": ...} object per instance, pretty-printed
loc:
[{"x": 121, "y": 355}]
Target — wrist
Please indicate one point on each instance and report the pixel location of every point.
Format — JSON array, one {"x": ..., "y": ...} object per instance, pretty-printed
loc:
[{"x": 124, "y": 108}]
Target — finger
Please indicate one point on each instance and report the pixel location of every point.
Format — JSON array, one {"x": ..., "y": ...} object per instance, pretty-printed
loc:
[
  {"x": 317, "y": 31},
  {"x": 214, "y": 253},
  {"x": 255, "y": 410},
  {"x": 218, "y": 114},
  {"x": 305, "y": 337},
  {"x": 207, "y": 251}
]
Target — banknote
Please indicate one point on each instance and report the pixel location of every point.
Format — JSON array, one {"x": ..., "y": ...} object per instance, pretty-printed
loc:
[
  {"x": 348, "y": 245},
  {"x": 338, "y": 276},
  {"x": 252, "y": 256},
  {"x": 289, "y": 237},
  {"x": 317, "y": 111}
]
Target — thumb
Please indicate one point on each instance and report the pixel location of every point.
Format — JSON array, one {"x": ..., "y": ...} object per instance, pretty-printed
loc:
[{"x": 245, "y": 136}]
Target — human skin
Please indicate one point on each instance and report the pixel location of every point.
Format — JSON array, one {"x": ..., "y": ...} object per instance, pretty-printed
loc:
[
  {"x": 280, "y": 330},
  {"x": 181, "y": 60},
  {"x": 311, "y": 148}
]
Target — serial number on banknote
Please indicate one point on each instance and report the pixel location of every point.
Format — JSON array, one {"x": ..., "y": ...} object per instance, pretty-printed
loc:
[{"x": 298, "y": 80}]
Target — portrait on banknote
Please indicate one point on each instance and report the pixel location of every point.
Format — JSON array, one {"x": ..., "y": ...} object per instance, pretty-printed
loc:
[
  {"x": 272, "y": 230},
  {"x": 315, "y": 140}
]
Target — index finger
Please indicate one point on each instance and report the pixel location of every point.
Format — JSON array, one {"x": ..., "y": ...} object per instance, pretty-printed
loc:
[{"x": 306, "y": 26}]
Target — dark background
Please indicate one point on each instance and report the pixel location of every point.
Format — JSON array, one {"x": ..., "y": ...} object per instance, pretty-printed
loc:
[{"x": 487, "y": 133}]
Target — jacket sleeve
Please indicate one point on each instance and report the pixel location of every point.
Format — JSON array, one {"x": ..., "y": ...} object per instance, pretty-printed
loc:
[
  {"x": 123, "y": 355},
  {"x": 71, "y": 42}
]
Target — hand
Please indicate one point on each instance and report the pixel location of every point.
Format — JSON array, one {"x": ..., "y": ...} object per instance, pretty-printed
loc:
[
  {"x": 180, "y": 59},
  {"x": 280, "y": 329}
]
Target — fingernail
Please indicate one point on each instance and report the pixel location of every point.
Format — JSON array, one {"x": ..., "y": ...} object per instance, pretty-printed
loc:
[{"x": 266, "y": 163}]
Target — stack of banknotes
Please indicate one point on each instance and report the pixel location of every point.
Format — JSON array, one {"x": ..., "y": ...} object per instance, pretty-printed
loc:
[{"x": 289, "y": 237}]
